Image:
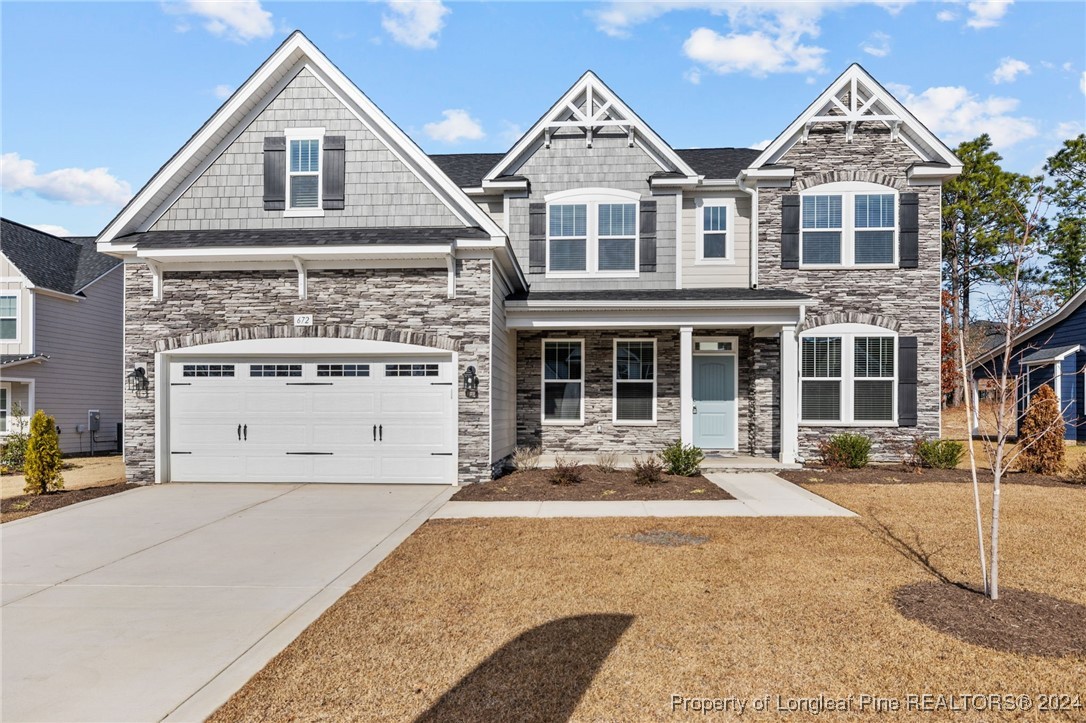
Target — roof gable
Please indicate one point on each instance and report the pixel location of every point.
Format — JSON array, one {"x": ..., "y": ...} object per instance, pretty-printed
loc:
[
  {"x": 1075, "y": 305},
  {"x": 591, "y": 106},
  {"x": 855, "y": 97},
  {"x": 245, "y": 105},
  {"x": 50, "y": 262}
]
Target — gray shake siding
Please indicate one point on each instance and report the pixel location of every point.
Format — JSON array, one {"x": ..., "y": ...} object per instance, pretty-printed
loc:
[
  {"x": 214, "y": 306},
  {"x": 906, "y": 300},
  {"x": 380, "y": 190},
  {"x": 609, "y": 163}
]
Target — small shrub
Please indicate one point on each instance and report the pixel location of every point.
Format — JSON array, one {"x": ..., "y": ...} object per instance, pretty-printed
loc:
[
  {"x": 648, "y": 471},
  {"x": 1076, "y": 474},
  {"x": 681, "y": 459},
  {"x": 13, "y": 455},
  {"x": 566, "y": 472},
  {"x": 845, "y": 450},
  {"x": 525, "y": 458},
  {"x": 43, "y": 462},
  {"x": 940, "y": 453},
  {"x": 607, "y": 461},
  {"x": 1041, "y": 434}
]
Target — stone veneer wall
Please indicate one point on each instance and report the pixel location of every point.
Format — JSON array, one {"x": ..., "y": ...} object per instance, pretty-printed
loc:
[
  {"x": 400, "y": 305},
  {"x": 906, "y": 300}
]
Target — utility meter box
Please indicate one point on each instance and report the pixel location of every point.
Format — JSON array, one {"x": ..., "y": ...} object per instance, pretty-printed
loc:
[{"x": 94, "y": 420}]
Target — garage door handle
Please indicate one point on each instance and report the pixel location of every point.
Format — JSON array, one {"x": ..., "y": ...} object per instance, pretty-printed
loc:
[
  {"x": 375, "y": 433},
  {"x": 239, "y": 432},
  {"x": 246, "y": 432},
  {"x": 381, "y": 433}
]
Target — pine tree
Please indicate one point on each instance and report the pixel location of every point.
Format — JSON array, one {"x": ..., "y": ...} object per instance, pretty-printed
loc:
[
  {"x": 1065, "y": 244},
  {"x": 42, "y": 467}
]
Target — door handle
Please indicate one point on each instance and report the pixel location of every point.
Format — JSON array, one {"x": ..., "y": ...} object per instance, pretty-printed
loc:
[
  {"x": 246, "y": 432},
  {"x": 239, "y": 432},
  {"x": 381, "y": 433},
  {"x": 375, "y": 433}
]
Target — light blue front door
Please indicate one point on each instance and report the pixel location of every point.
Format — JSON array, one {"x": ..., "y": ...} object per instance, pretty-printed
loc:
[{"x": 714, "y": 401}]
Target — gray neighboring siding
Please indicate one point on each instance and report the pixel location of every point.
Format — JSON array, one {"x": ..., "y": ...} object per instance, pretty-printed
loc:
[
  {"x": 84, "y": 342},
  {"x": 380, "y": 190},
  {"x": 609, "y": 163},
  {"x": 503, "y": 412},
  {"x": 695, "y": 275},
  {"x": 904, "y": 299}
]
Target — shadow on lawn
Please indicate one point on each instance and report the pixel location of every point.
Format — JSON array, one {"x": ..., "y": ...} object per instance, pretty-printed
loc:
[{"x": 540, "y": 675}]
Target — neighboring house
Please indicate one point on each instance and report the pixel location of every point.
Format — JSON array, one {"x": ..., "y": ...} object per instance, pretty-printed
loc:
[
  {"x": 1052, "y": 352},
  {"x": 312, "y": 298},
  {"x": 61, "y": 329}
]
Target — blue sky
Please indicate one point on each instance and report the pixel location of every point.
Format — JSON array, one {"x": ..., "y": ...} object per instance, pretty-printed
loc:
[{"x": 97, "y": 96}]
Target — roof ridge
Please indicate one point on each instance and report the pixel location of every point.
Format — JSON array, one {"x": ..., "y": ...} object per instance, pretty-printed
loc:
[{"x": 43, "y": 233}]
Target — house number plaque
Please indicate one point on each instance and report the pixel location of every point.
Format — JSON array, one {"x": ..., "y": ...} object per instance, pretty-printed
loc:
[{"x": 303, "y": 320}]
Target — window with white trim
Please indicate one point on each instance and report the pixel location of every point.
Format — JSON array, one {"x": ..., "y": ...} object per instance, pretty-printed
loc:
[
  {"x": 848, "y": 375},
  {"x": 563, "y": 381},
  {"x": 9, "y": 317},
  {"x": 715, "y": 244},
  {"x": 304, "y": 183},
  {"x": 848, "y": 224},
  {"x": 5, "y": 407},
  {"x": 635, "y": 381},
  {"x": 592, "y": 232}
]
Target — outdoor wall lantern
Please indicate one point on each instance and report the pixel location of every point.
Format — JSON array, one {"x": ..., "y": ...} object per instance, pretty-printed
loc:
[
  {"x": 137, "y": 381},
  {"x": 471, "y": 383}
]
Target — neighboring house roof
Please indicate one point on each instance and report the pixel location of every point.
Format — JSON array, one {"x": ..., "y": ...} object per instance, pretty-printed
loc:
[
  {"x": 718, "y": 162},
  {"x": 724, "y": 295},
  {"x": 301, "y": 237},
  {"x": 11, "y": 360},
  {"x": 51, "y": 262},
  {"x": 466, "y": 169},
  {"x": 1048, "y": 322},
  {"x": 1050, "y": 354}
]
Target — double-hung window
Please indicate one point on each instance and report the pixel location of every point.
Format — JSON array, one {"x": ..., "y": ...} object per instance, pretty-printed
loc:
[
  {"x": 5, "y": 407},
  {"x": 592, "y": 232},
  {"x": 848, "y": 375},
  {"x": 848, "y": 224},
  {"x": 563, "y": 381},
  {"x": 635, "y": 381},
  {"x": 9, "y": 317},
  {"x": 304, "y": 147},
  {"x": 714, "y": 241}
]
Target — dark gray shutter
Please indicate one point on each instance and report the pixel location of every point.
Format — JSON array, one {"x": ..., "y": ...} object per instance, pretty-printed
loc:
[
  {"x": 648, "y": 236},
  {"x": 906, "y": 381},
  {"x": 790, "y": 232},
  {"x": 909, "y": 230},
  {"x": 332, "y": 175},
  {"x": 537, "y": 238},
  {"x": 275, "y": 173}
]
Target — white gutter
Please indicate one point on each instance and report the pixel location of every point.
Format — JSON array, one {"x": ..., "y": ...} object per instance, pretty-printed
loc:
[{"x": 751, "y": 191}]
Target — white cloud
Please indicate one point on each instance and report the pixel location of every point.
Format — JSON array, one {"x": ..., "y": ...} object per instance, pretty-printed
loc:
[
  {"x": 52, "y": 229},
  {"x": 457, "y": 126},
  {"x": 946, "y": 16},
  {"x": 987, "y": 13},
  {"x": 511, "y": 132},
  {"x": 693, "y": 76},
  {"x": 1009, "y": 69},
  {"x": 954, "y": 114},
  {"x": 1068, "y": 129},
  {"x": 79, "y": 186},
  {"x": 239, "y": 20},
  {"x": 222, "y": 91},
  {"x": 878, "y": 44},
  {"x": 756, "y": 53},
  {"x": 762, "y": 145},
  {"x": 415, "y": 23}
]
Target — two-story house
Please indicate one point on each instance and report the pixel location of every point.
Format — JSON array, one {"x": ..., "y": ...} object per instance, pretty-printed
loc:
[
  {"x": 61, "y": 308},
  {"x": 310, "y": 297}
]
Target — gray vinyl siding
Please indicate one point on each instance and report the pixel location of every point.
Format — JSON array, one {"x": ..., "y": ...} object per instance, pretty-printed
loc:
[
  {"x": 695, "y": 275},
  {"x": 84, "y": 343},
  {"x": 380, "y": 190},
  {"x": 609, "y": 163},
  {"x": 495, "y": 208},
  {"x": 503, "y": 422}
]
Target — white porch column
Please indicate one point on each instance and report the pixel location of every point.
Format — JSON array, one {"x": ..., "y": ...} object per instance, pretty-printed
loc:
[
  {"x": 789, "y": 395},
  {"x": 686, "y": 384}
]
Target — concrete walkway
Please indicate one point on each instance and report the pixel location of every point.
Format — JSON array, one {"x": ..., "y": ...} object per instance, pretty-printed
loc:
[
  {"x": 160, "y": 602},
  {"x": 757, "y": 494}
]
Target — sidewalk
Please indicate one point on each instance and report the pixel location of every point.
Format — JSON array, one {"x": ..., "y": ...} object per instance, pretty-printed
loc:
[{"x": 757, "y": 494}]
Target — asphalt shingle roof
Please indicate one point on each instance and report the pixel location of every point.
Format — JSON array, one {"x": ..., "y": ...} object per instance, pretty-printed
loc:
[
  {"x": 301, "y": 237},
  {"x": 1049, "y": 354},
  {"x": 6, "y": 359},
  {"x": 719, "y": 294},
  {"x": 52, "y": 262},
  {"x": 467, "y": 169}
]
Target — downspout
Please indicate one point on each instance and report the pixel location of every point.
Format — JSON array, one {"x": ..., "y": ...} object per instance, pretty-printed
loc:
[{"x": 751, "y": 191}]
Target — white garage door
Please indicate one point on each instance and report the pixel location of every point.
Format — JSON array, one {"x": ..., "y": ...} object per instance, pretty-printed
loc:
[{"x": 382, "y": 420}]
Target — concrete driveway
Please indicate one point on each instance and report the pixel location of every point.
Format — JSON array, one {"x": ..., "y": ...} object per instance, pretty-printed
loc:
[{"x": 160, "y": 602}]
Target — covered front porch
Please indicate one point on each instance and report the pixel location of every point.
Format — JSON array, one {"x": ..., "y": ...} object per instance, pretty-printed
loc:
[{"x": 628, "y": 373}]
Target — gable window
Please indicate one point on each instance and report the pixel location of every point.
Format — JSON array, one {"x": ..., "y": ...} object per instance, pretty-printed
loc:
[
  {"x": 592, "y": 232},
  {"x": 714, "y": 243},
  {"x": 9, "y": 317},
  {"x": 848, "y": 224},
  {"x": 563, "y": 381},
  {"x": 304, "y": 157},
  {"x": 635, "y": 381},
  {"x": 848, "y": 374}
]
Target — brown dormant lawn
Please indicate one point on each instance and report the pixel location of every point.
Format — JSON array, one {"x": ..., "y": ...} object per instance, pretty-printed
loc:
[{"x": 551, "y": 619}]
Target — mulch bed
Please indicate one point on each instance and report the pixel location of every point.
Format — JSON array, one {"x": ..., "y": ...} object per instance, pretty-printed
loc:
[
  {"x": 535, "y": 484},
  {"x": 1020, "y": 621},
  {"x": 899, "y": 474},
  {"x": 14, "y": 508}
]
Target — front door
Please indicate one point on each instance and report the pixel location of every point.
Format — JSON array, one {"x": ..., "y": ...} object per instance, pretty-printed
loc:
[{"x": 714, "y": 401}]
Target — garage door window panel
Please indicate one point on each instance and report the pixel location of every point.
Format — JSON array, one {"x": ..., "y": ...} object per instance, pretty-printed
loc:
[{"x": 275, "y": 370}]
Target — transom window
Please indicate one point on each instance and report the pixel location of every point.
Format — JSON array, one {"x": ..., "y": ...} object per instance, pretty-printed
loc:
[
  {"x": 635, "y": 381},
  {"x": 9, "y": 317},
  {"x": 714, "y": 244},
  {"x": 592, "y": 232},
  {"x": 207, "y": 370},
  {"x": 563, "y": 381},
  {"x": 848, "y": 373},
  {"x": 848, "y": 224}
]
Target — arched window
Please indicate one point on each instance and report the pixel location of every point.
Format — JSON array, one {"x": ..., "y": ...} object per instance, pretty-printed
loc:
[
  {"x": 848, "y": 223},
  {"x": 592, "y": 231},
  {"x": 848, "y": 375}
]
